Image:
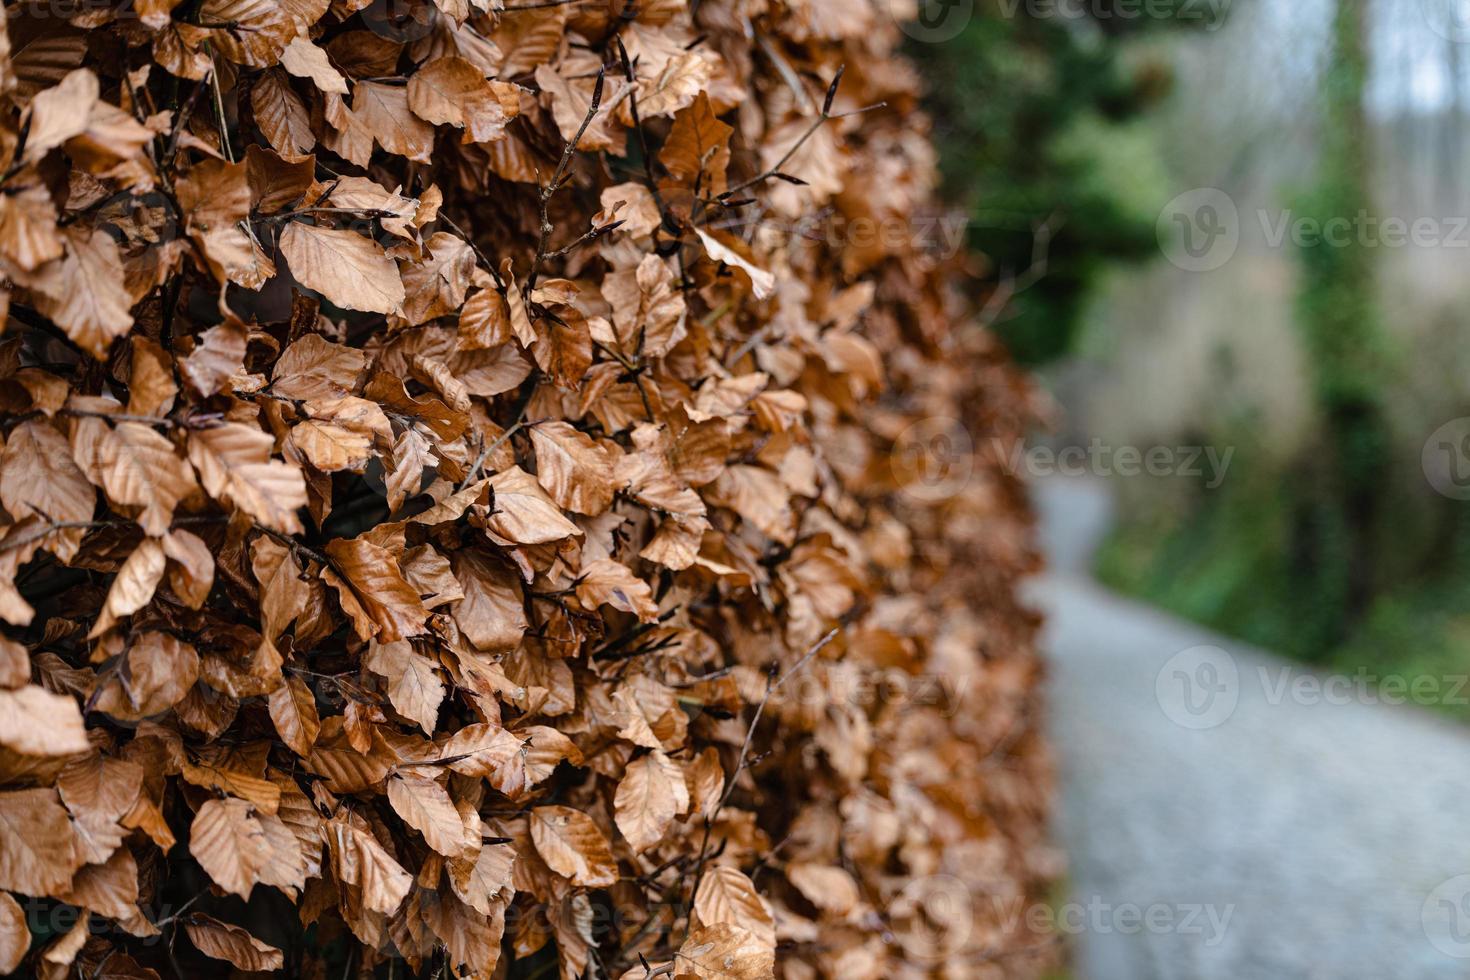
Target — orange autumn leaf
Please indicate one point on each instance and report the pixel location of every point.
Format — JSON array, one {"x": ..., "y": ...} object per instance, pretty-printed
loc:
[
  {"x": 233, "y": 944},
  {"x": 572, "y": 846}
]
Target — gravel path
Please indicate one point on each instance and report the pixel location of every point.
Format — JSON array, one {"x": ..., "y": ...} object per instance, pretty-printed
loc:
[{"x": 1229, "y": 815}]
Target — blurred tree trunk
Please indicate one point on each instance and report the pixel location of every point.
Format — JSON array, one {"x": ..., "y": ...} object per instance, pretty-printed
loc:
[
  {"x": 1343, "y": 342},
  {"x": 1452, "y": 134}
]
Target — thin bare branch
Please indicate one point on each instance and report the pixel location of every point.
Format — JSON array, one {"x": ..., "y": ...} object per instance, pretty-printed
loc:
[{"x": 561, "y": 172}]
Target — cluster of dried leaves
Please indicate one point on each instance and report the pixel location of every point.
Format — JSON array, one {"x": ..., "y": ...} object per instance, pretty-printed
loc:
[{"x": 436, "y": 543}]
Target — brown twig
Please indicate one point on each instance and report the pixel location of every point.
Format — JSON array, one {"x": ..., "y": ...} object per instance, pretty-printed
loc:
[
  {"x": 181, "y": 910},
  {"x": 773, "y": 684},
  {"x": 354, "y": 212},
  {"x": 822, "y": 119},
  {"x": 591, "y": 235},
  {"x": 81, "y": 413},
  {"x": 539, "y": 5},
  {"x": 53, "y": 526},
  {"x": 219, "y": 108},
  {"x": 1012, "y": 286},
  {"x": 557, "y": 178},
  {"x": 516, "y": 426},
  {"x": 295, "y": 545},
  {"x": 176, "y": 130},
  {"x": 485, "y": 261},
  {"x": 783, "y": 68}
]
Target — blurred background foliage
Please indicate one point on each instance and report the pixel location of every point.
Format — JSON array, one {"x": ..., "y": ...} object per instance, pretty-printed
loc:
[
  {"x": 1325, "y": 368},
  {"x": 1038, "y": 122}
]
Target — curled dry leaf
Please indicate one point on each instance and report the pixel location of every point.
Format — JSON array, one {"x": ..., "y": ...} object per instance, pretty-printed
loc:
[
  {"x": 134, "y": 585},
  {"x": 413, "y": 686},
  {"x": 228, "y": 841},
  {"x": 491, "y": 752},
  {"x": 57, "y": 957},
  {"x": 293, "y": 711},
  {"x": 15, "y": 665},
  {"x": 351, "y": 271},
  {"x": 725, "y": 952},
  {"x": 426, "y": 806},
  {"x": 576, "y": 470},
  {"x": 305, "y": 60},
  {"x": 234, "y": 463},
  {"x": 33, "y": 721},
  {"x": 451, "y": 91},
  {"x": 156, "y": 672},
  {"x": 191, "y": 567},
  {"x": 727, "y": 895},
  {"x": 15, "y": 935},
  {"x": 38, "y": 846},
  {"x": 359, "y": 860},
  {"x": 108, "y": 888},
  {"x": 232, "y": 944},
  {"x": 483, "y": 880},
  {"x": 829, "y": 888},
  {"x": 650, "y": 796},
  {"x": 608, "y": 583},
  {"x": 38, "y": 476},
  {"x": 524, "y": 513},
  {"x": 141, "y": 468},
  {"x": 83, "y": 291},
  {"x": 572, "y": 846},
  {"x": 388, "y": 606},
  {"x": 762, "y": 283},
  {"x": 98, "y": 793},
  {"x": 216, "y": 358}
]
